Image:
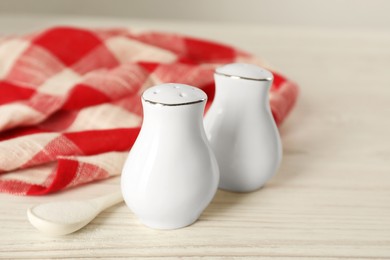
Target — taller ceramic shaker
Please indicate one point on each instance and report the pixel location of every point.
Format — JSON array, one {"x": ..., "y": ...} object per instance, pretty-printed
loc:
[
  {"x": 241, "y": 129},
  {"x": 171, "y": 173}
]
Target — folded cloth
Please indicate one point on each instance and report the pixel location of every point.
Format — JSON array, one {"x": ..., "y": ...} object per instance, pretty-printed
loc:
[{"x": 70, "y": 105}]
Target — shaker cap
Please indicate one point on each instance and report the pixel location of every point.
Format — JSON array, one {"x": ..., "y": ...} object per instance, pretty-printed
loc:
[
  {"x": 174, "y": 94},
  {"x": 244, "y": 71}
]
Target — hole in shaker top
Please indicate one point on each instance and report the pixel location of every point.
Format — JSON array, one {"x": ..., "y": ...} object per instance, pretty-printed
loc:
[{"x": 174, "y": 94}]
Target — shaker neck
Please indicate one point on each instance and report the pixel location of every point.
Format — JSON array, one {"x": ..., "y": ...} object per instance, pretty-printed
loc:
[
  {"x": 241, "y": 90},
  {"x": 167, "y": 116}
]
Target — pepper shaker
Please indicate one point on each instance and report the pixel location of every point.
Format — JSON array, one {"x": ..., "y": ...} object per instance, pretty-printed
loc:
[
  {"x": 241, "y": 129},
  {"x": 171, "y": 173}
]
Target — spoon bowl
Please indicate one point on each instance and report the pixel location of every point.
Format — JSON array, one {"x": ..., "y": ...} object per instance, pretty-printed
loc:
[{"x": 65, "y": 217}]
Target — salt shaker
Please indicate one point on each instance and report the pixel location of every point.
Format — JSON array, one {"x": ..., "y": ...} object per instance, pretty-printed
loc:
[
  {"x": 241, "y": 129},
  {"x": 171, "y": 173}
]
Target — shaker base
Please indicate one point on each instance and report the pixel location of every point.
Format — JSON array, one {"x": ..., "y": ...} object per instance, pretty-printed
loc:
[
  {"x": 240, "y": 189},
  {"x": 168, "y": 226}
]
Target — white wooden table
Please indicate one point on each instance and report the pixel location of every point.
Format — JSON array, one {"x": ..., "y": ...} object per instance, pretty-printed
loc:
[{"x": 331, "y": 197}]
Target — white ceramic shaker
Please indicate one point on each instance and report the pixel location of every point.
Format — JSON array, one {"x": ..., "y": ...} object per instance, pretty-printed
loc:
[
  {"x": 171, "y": 173},
  {"x": 241, "y": 129}
]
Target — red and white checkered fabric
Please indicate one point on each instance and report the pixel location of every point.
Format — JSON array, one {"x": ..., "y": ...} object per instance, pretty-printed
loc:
[{"x": 70, "y": 99}]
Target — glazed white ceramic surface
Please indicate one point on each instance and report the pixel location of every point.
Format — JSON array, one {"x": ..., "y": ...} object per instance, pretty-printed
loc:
[
  {"x": 241, "y": 129},
  {"x": 171, "y": 173}
]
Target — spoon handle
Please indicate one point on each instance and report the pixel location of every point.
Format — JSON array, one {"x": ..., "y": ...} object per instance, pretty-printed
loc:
[{"x": 107, "y": 201}]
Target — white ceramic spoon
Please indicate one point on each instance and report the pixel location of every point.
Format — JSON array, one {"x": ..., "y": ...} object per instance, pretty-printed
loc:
[{"x": 65, "y": 217}]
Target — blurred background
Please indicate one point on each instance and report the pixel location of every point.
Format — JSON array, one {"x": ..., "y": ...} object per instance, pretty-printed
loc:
[{"x": 352, "y": 14}]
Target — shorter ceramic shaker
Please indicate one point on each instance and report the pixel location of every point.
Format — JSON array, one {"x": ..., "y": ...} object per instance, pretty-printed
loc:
[
  {"x": 171, "y": 173},
  {"x": 241, "y": 129}
]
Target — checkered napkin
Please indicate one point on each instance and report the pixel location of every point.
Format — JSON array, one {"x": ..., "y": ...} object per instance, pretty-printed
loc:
[{"x": 70, "y": 105}]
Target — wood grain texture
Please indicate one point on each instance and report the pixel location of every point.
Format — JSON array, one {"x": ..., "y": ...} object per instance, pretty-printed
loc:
[{"x": 330, "y": 198}]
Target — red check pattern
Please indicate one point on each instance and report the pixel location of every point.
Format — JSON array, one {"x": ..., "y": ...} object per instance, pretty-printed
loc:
[{"x": 70, "y": 99}]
